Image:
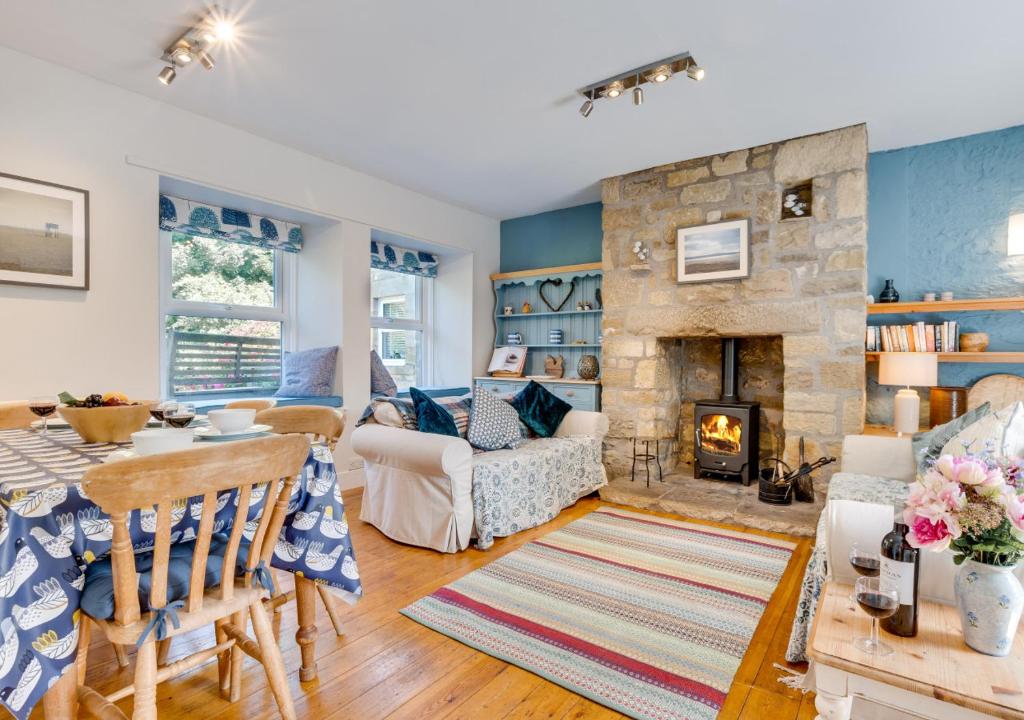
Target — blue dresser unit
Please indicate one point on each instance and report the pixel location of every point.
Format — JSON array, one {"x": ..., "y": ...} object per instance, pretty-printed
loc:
[
  {"x": 581, "y": 394},
  {"x": 550, "y": 312}
]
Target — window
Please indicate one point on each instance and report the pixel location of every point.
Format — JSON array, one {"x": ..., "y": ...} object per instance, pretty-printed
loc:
[
  {"x": 400, "y": 325},
  {"x": 224, "y": 315}
]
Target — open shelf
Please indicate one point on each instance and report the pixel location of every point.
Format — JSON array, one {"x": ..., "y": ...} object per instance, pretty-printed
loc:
[
  {"x": 502, "y": 316},
  {"x": 966, "y": 357},
  {"x": 966, "y": 305}
]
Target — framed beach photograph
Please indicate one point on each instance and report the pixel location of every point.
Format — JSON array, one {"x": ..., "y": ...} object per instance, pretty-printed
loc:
[
  {"x": 44, "y": 233},
  {"x": 713, "y": 252}
]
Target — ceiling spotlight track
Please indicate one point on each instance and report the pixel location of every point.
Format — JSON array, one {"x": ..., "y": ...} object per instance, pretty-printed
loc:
[
  {"x": 195, "y": 44},
  {"x": 656, "y": 72}
]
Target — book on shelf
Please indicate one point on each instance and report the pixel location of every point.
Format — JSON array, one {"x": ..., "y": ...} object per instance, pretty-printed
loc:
[{"x": 914, "y": 337}]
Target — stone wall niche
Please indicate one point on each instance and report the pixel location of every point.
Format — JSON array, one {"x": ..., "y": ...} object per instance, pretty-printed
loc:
[{"x": 804, "y": 296}]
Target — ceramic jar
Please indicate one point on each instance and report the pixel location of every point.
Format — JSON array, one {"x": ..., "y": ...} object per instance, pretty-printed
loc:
[
  {"x": 514, "y": 338},
  {"x": 990, "y": 600},
  {"x": 889, "y": 293},
  {"x": 588, "y": 367}
]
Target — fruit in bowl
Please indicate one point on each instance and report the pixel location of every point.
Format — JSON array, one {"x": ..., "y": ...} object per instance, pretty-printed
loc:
[{"x": 99, "y": 418}]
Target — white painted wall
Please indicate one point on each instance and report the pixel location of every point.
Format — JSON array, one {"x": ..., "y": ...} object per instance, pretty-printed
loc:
[{"x": 64, "y": 127}]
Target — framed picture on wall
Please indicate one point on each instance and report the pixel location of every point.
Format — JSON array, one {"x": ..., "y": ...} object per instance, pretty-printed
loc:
[
  {"x": 44, "y": 233},
  {"x": 707, "y": 253}
]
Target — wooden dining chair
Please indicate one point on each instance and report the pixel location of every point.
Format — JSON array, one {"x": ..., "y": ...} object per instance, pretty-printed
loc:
[
  {"x": 322, "y": 424},
  {"x": 271, "y": 465},
  {"x": 15, "y": 414},
  {"x": 254, "y": 404}
]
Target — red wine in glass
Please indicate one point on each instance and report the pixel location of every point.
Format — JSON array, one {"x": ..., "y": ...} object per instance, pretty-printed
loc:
[
  {"x": 876, "y": 604},
  {"x": 43, "y": 406},
  {"x": 866, "y": 566}
]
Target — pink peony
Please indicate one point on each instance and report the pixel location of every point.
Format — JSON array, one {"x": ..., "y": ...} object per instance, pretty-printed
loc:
[
  {"x": 1014, "y": 505},
  {"x": 972, "y": 472},
  {"x": 929, "y": 534}
]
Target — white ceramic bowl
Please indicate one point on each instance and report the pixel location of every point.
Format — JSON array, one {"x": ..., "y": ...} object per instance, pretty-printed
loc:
[
  {"x": 232, "y": 421},
  {"x": 161, "y": 440}
]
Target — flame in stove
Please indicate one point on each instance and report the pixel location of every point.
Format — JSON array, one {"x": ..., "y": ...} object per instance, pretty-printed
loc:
[{"x": 721, "y": 434}]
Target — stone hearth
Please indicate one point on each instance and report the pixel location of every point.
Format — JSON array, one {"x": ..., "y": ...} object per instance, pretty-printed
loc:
[
  {"x": 727, "y": 502},
  {"x": 805, "y": 295}
]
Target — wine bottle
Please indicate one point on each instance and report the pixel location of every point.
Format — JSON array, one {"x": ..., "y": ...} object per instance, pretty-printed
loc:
[{"x": 901, "y": 567}]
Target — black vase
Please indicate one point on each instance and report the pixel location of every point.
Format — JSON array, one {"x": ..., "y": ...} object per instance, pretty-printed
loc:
[{"x": 889, "y": 294}]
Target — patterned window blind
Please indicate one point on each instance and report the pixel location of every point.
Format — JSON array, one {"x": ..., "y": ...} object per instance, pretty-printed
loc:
[
  {"x": 195, "y": 218},
  {"x": 397, "y": 259}
]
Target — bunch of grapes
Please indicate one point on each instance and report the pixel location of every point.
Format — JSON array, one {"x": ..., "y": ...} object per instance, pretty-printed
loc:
[{"x": 93, "y": 401}]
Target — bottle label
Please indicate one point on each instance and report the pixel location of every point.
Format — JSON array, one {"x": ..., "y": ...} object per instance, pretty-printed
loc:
[{"x": 901, "y": 575}]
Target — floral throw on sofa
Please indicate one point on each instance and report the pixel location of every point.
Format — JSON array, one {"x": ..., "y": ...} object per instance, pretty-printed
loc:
[{"x": 518, "y": 489}]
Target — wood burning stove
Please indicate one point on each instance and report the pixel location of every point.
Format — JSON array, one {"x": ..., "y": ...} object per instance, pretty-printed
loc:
[{"x": 726, "y": 430}]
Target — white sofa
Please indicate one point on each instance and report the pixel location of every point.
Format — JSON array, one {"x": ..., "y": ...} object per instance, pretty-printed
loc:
[{"x": 434, "y": 491}]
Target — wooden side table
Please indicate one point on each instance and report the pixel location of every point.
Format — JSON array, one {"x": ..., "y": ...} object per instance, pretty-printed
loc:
[{"x": 934, "y": 675}]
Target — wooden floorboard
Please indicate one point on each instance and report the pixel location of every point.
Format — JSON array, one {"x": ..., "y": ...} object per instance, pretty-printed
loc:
[{"x": 387, "y": 666}]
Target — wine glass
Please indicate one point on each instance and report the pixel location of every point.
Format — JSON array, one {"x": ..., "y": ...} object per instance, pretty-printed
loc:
[
  {"x": 157, "y": 411},
  {"x": 181, "y": 415},
  {"x": 866, "y": 563},
  {"x": 44, "y": 406},
  {"x": 879, "y": 599}
]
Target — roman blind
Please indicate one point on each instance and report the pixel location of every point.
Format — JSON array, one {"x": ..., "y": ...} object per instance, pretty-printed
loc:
[
  {"x": 397, "y": 259},
  {"x": 204, "y": 220}
]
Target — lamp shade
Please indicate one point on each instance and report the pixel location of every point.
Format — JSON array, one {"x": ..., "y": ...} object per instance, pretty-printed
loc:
[{"x": 909, "y": 369}]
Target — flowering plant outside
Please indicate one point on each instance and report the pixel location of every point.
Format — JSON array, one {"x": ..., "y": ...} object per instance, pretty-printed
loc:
[{"x": 971, "y": 504}]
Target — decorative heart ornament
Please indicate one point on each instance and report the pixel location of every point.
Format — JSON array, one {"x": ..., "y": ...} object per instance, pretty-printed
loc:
[{"x": 557, "y": 282}]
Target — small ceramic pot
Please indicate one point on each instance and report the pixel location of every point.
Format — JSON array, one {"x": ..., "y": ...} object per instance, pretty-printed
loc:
[
  {"x": 556, "y": 337},
  {"x": 514, "y": 338},
  {"x": 973, "y": 342},
  {"x": 889, "y": 293},
  {"x": 588, "y": 367},
  {"x": 929, "y": 297},
  {"x": 508, "y": 310},
  {"x": 947, "y": 295},
  {"x": 990, "y": 600}
]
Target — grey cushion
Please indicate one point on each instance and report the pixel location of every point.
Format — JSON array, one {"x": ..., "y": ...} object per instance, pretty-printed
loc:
[
  {"x": 928, "y": 445},
  {"x": 493, "y": 423},
  {"x": 381, "y": 382},
  {"x": 308, "y": 372}
]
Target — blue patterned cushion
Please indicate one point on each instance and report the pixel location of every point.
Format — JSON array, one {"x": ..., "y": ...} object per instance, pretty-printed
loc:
[
  {"x": 98, "y": 593},
  {"x": 431, "y": 417},
  {"x": 404, "y": 413},
  {"x": 928, "y": 445},
  {"x": 381, "y": 382},
  {"x": 308, "y": 373},
  {"x": 493, "y": 423},
  {"x": 540, "y": 409}
]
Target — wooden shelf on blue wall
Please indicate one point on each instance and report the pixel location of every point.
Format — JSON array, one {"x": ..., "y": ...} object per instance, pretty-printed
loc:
[
  {"x": 966, "y": 357},
  {"x": 936, "y": 306}
]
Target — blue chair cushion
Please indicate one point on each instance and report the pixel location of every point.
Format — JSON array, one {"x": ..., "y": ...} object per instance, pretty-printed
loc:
[{"x": 98, "y": 593}]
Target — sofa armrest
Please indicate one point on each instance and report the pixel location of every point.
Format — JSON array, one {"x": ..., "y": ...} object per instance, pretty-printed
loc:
[
  {"x": 583, "y": 422},
  {"x": 879, "y": 456},
  {"x": 416, "y": 452}
]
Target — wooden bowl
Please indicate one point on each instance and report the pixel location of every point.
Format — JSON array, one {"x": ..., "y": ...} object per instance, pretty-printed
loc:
[
  {"x": 107, "y": 424},
  {"x": 973, "y": 342}
]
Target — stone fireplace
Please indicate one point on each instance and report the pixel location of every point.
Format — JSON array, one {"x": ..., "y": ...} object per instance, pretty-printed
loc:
[{"x": 800, "y": 314}]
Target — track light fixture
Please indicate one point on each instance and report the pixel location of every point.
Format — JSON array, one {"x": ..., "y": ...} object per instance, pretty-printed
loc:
[
  {"x": 195, "y": 44},
  {"x": 588, "y": 105},
  {"x": 656, "y": 72},
  {"x": 167, "y": 75}
]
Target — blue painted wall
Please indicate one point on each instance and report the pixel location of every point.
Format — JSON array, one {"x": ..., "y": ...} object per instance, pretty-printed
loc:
[
  {"x": 937, "y": 220},
  {"x": 559, "y": 237}
]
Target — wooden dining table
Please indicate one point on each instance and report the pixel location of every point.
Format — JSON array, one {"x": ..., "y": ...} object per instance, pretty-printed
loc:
[{"x": 50, "y": 531}]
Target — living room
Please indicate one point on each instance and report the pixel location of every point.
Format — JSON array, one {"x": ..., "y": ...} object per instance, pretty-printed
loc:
[{"x": 647, "y": 354}]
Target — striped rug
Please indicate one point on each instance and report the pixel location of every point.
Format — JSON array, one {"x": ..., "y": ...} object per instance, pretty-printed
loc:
[{"x": 648, "y": 616}]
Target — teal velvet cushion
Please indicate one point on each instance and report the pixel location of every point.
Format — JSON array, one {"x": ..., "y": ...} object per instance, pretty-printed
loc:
[
  {"x": 98, "y": 593},
  {"x": 928, "y": 445},
  {"x": 539, "y": 409},
  {"x": 431, "y": 417}
]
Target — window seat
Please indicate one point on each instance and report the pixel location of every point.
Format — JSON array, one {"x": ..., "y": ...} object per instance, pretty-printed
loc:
[{"x": 438, "y": 392}]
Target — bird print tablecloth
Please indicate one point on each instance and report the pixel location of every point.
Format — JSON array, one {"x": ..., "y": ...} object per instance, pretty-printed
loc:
[{"x": 50, "y": 531}]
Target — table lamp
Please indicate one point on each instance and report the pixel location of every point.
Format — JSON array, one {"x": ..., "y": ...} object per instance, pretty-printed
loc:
[{"x": 908, "y": 369}]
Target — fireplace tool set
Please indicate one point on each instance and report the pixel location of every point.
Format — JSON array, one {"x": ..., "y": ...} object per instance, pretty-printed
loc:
[{"x": 778, "y": 482}]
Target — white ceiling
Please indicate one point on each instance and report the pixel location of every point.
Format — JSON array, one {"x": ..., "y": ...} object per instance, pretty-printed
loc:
[{"x": 472, "y": 102}]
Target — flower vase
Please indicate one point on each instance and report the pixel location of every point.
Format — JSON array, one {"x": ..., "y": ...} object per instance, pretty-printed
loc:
[{"x": 990, "y": 600}]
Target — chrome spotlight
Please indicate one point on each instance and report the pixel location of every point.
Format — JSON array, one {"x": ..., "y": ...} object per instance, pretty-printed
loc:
[{"x": 167, "y": 75}]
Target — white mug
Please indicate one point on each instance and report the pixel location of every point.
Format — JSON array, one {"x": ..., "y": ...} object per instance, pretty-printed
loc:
[{"x": 929, "y": 297}]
